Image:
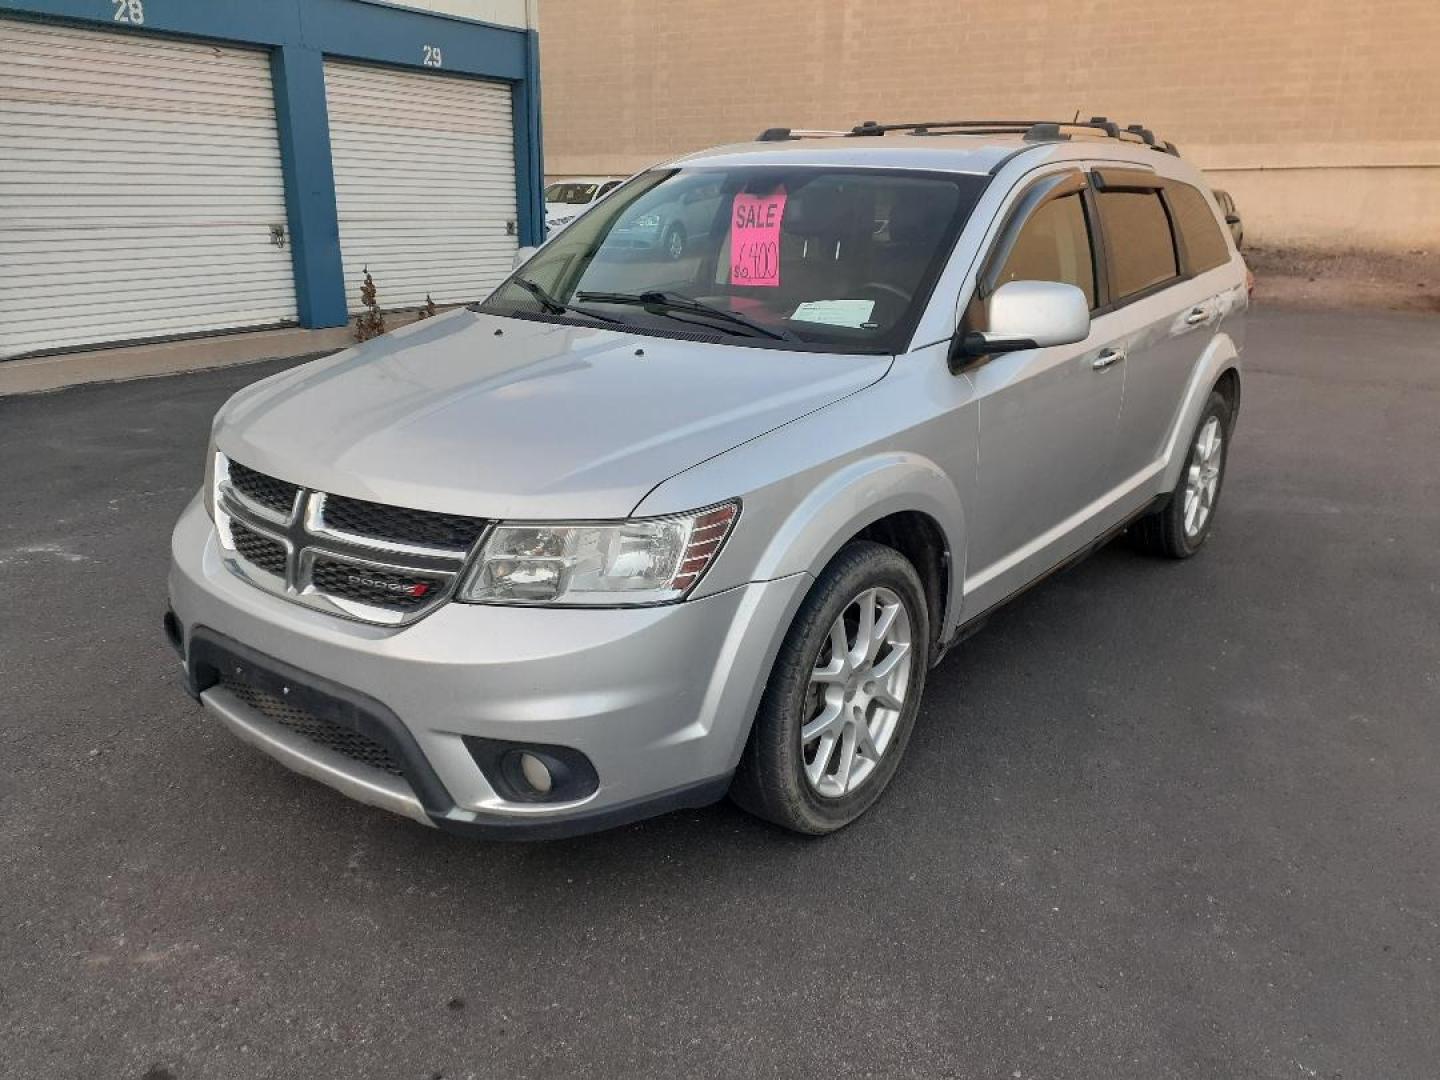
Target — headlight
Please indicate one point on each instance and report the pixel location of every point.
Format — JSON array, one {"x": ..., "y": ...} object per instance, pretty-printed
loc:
[
  {"x": 606, "y": 563},
  {"x": 647, "y": 221}
]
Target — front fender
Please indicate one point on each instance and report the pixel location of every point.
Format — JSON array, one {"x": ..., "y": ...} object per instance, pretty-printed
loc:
[
  {"x": 809, "y": 487},
  {"x": 798, "y": 525},
  {"x": 856, "y": 495}
]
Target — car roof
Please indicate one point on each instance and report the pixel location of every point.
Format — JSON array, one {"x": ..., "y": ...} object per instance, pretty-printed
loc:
[{"x": 973, "y": 154}]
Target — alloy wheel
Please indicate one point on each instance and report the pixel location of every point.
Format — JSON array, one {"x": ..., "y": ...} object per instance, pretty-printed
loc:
[
  {"x": 856, "y": 693},
  {"x": 1202, "y": 477}
]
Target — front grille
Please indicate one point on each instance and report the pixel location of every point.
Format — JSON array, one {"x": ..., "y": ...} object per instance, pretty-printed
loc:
[
  {"x": 258, "y": 550},
  {"x": 387, "y": 565},
  {"x": 399, "y": 525},
  {"x": 373, "y": 586},
  {"x": 327, "y": 733},
  {"x": 273, "y": 494}
]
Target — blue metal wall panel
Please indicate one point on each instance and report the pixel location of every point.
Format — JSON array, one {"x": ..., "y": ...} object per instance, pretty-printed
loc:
[
  {"x": 299, "y": 76},
  {"x": 391, "y": 35},
  {"x": 302, "y": 33},
  {"x": 525, "y": 107}
]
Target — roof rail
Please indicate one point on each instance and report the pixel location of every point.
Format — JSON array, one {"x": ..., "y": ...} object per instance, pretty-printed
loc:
[
  {"x": 1031, "y": 130},
  {"x": 781, "y": 134}
]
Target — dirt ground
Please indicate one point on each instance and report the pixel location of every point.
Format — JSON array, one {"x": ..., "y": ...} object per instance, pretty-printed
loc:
[{"x": 1408, "y": 281}]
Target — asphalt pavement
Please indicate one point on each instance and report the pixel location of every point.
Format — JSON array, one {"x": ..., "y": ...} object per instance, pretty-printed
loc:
[{"x": 1157, "y": 820}]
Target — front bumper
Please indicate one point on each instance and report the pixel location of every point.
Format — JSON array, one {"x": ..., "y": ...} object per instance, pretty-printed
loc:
[{"x": 659, "y": 700}]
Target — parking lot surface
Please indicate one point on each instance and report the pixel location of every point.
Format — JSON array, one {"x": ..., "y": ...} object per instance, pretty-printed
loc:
[{"x": 1157, "y": 820}]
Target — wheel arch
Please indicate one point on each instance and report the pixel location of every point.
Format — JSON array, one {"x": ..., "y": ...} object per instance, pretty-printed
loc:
[
  {"x": 1218, "y": 369},
  {"x": 917, "y": 536},
  {"x": 898, "y": 499},
  {"x": 1228, "y": 384}
]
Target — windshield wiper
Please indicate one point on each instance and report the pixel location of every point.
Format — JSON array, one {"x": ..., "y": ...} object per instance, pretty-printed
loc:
[
  {"x": 664, "y": 303},
  {"x": 555, "y": 307}
]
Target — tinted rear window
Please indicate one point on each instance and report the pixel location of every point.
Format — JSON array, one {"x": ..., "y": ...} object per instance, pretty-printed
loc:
[
  {"x": 1137, "y": 240},
  {"x": 1205, "y": 246}
]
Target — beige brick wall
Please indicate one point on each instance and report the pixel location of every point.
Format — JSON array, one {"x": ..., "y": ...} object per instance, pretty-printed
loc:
[{"x": 1323, "y": 116}]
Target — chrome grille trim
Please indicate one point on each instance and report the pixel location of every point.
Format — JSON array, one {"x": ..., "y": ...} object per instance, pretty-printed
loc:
[
  {"x": 315, "y": 522},
  {"x": 305, "y": 540},
  {"x": 255, "y": 506}
]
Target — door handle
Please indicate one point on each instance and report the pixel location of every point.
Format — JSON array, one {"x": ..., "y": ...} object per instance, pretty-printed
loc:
[
  {"x": 1108, "y": 358},
  {"x": 1197, "y": 316}
]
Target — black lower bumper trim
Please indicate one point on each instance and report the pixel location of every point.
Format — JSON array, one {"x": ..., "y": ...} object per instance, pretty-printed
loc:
[
  {"x": 211, "y": 653},
  {"x": 588, "y": 821}
]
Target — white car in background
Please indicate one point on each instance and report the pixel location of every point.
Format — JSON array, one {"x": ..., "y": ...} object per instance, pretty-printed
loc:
[{"x": 565, "y": 200}]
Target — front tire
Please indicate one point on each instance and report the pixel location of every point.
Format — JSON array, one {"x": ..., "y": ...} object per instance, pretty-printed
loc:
[
  {"x": 842, "y": 697},
  {"x": 672, "y": 241},
  {"x": 1179, "y": 528}
]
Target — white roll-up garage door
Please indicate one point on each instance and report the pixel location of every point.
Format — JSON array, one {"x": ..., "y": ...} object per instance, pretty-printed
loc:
[
  {"x": 140, "y": 188},
  {"x": 424, "y": 182}
]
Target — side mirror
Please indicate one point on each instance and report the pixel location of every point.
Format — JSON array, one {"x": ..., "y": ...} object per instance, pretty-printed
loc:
[
  {"x": 522, "y": 256},
  {"x": 1029, "y": 315}
]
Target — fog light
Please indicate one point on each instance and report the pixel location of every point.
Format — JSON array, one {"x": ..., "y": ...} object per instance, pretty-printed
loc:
[
  {"x": 536, "y": 773},
  {"x": 533, "y": 772}
]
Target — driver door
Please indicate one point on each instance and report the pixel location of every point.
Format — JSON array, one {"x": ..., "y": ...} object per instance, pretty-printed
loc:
[{"x": 1047, "y": 416}]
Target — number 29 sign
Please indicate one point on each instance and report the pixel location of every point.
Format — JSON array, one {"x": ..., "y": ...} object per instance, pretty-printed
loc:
[{"x": 755, "y": 239}]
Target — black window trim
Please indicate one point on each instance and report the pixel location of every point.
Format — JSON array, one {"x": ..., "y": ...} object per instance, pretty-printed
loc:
[
  {"x": 1089, "y": 181},
  {"x": 1187, "y": 265},
  {"x": 1049, "y": 186},
  {"x": 1135, "y": 180},
  {"x": 1045, "y": 189},
  {"x": 1113, "y": 178}
]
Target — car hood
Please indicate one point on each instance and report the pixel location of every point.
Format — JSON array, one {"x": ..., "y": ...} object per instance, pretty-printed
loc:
[{"x": 500, "y": 417}]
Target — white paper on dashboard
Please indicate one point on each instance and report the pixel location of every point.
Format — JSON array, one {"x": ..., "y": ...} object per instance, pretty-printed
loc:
[{"x": 854, "y": 313}]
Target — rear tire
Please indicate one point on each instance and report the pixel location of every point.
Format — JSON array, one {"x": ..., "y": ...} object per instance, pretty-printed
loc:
[
  {"x": 857, "y": 704},
  {"x": 1180, "y": 527}
]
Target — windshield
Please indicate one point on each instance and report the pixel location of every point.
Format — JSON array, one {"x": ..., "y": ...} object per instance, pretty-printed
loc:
[
  {"x": 802, "y": 257},
  {"x": 570, "y": 194}
]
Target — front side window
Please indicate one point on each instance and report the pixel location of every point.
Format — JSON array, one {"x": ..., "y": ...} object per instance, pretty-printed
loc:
[
  {"x": 789, "y": 257},
  {"x": 1054, "y": 245},
  {"x": 570, "y": 194},
  {"x": 1138, "y": 243},
  {"x": 1205, "y": 246}
]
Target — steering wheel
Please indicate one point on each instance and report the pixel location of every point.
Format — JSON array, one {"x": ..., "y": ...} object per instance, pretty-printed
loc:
[{"x": 885, "y": 287}]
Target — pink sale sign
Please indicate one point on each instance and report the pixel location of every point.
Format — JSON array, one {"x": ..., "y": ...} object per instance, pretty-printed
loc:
[{"x": 755, "y": 239}]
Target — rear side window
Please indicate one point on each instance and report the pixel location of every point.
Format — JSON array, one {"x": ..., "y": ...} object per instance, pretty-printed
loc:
[
  {"x": 1205, "y": 246},
  {"x": 1137, "y": 240},
  {"x": 1053, "y": 245}
]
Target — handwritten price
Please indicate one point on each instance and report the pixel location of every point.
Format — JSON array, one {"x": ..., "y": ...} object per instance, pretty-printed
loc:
[{"x": 755, "y": 261}]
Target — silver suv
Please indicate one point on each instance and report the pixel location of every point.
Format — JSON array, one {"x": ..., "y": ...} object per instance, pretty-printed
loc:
[{"x": 647, "y": 527}]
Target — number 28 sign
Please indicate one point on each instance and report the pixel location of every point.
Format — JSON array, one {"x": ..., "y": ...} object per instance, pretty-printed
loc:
[{"x": 755, "y": 239}]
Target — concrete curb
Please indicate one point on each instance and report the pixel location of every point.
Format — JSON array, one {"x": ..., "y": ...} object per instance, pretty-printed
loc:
[{"x": 39, "y": 374}]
